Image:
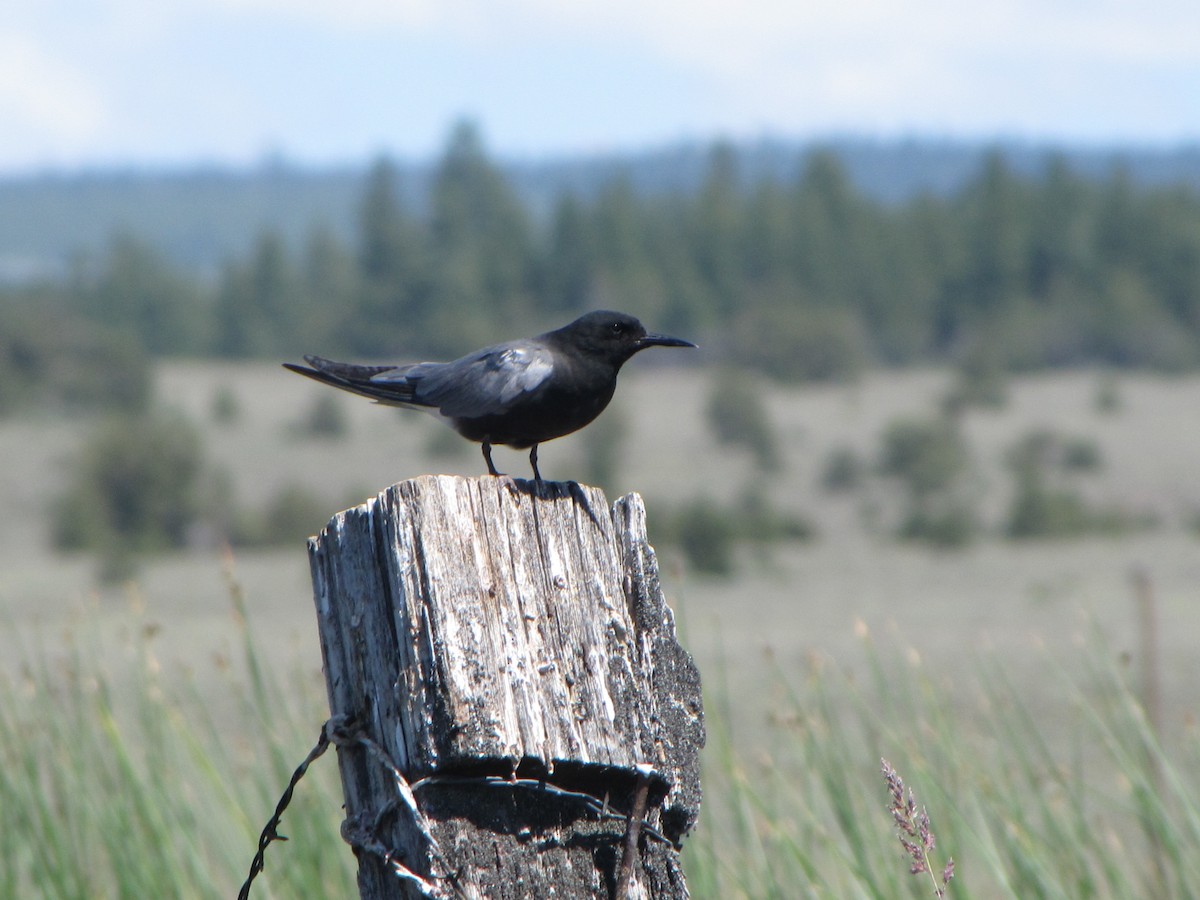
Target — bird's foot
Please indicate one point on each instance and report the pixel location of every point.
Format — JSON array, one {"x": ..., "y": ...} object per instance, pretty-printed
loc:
[{"x": 508, "y": 481}]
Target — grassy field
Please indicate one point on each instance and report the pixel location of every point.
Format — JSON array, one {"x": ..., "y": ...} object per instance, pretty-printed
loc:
[{"x": 995, "y": 677}]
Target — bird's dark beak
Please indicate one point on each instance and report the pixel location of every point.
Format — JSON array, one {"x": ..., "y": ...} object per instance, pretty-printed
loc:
[{"x": 662, "y": 340}]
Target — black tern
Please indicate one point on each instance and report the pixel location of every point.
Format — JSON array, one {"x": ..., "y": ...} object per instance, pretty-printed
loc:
[{"x": 520, "y": 393}]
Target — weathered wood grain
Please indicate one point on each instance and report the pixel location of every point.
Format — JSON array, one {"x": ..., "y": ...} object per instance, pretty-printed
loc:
[{"x": 485, "y": 626}]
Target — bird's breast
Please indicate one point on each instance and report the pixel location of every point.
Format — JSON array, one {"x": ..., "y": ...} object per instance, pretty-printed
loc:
[{"x": 550, "y": 412}]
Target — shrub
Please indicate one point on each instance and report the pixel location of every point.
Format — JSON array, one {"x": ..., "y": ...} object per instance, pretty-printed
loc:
[
  {"x": 1081, "y": 455},
  {"x": 706, "y": 536},
  {"x": 738, "y": 416},
  {"x": 292, "y": 514},
  {"x": 1040, "y": 509},
  {"x": 1035, "y": 450},
  {"x": 843, "y": 470},
  {"x": 949, "y": 526},
  {"x": 50, "y": 357},
  {"x": 754, "y": 519},
  {"x": 928, "y": 455},
  {"x": 932, "y": 460},
  {"x": 1107, "y": 399},
  {"x": 326, "y": 417},
  {"x": 981, "y": 381},
  {"x": 133, "y": 489},
  {"x": 100, "y": 370},
  {"x": 225, "y": 406},
  {"x": 708, "y": 532},
  {"x": 1045, "y": 504},
  {"x": 1044, "y": 449}
]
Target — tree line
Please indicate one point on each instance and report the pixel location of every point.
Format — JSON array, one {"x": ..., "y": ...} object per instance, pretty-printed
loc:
[{"x": 798, "y": 278}]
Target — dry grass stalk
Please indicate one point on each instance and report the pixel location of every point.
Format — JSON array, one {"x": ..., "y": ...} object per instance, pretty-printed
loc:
[{"x": 914, "y": 830}]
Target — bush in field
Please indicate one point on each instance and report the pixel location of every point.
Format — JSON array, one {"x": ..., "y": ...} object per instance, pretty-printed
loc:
[
  {"x": 1047, "y": 451},
  {"x": 226, "y": 409},
  {"x": 1107, "y": 399},
  {"x": 291, "y": 515},
  {"x": 706, "y": 536},
  {"x": 326, "y": 417},
  {"x": 132, "y": 489},
  {"x": 931, "y": 459},
  {"x": 708, "y": 532},
  {"x": 738, "y": 417},
  {"x": 50, "y": 358},
  {"x": 1046, "y": 500},
  {"x": 980, "y": 381},
  {"x": 287, "y": 517},
  {"x": 100, "y": 370},
  {"x": 1081, "y": 455},
  {"x": 843, "y": 470},
  {"x": 928, "y": 455},
  {"x": 1040, "y": 509},
  {"x": 953, "y": 524},
  {"x": 754, "y": 519}
]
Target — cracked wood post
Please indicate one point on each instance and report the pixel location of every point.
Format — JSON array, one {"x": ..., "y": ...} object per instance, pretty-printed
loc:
[{"x": 491, "y": 635}]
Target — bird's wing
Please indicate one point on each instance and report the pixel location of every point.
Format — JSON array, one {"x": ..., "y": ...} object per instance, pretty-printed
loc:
[{"x": 482, "y": 384}]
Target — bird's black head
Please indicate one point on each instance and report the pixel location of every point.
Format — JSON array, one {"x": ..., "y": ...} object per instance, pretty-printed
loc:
[{"x": 612, "y": 335}]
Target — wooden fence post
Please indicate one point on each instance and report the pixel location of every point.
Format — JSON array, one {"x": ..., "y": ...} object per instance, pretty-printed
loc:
[{"x": 506, "y": 672}]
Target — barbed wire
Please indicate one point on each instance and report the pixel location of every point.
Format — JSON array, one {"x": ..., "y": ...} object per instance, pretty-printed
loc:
[
  {"x": 594, "y": 804},
  {"x": 270, "y": 832},
  {"x": 343, "y": 731}
]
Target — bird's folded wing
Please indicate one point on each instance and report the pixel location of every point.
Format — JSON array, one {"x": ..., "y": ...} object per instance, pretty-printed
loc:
[{"x": 484, "y": 383}]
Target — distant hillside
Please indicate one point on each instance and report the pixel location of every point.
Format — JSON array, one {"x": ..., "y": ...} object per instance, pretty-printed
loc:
[{"x": 204, "y": 216}]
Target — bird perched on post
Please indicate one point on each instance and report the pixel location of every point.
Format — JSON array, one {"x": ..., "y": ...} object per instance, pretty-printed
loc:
[{"x": 520, "y": 393}]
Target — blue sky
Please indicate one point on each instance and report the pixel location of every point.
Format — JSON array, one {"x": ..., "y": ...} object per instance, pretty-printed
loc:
[{"x": 170, "y": 82}]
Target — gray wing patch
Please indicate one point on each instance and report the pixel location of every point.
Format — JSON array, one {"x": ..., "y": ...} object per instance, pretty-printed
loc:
[{"x": 482, "y": 384}]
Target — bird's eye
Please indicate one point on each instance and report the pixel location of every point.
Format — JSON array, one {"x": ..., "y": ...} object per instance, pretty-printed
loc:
[{"x": 618, "y": 328}]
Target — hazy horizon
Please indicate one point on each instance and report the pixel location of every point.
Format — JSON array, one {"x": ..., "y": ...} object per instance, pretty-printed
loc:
[{"x": 282, "y": 160}]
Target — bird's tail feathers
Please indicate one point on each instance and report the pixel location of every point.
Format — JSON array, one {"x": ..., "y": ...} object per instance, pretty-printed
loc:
[
  {"x": 358, "y": 380},
  {"x": 347, "y": 371}
]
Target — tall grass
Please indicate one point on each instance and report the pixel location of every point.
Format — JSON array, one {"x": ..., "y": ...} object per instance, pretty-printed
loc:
[
  {"x": 1088, "y": 805},
  {"x": 118, "y": 779}
]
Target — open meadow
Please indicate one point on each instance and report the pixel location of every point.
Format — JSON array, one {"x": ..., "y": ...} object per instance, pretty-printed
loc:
[{"x": 983, "y": 672}]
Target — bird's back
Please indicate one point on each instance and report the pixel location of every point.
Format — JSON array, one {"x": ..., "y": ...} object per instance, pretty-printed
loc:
[{"x": 485, "y": 383}]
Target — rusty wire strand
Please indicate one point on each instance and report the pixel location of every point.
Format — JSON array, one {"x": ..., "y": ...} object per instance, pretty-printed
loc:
[{"x": 636, "y": 822}]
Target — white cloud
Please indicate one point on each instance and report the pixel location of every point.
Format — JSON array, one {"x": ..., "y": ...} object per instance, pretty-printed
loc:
[
  {"x": 44, "y": 101},
  {"x": 895, "y": 64},
  {"x": 717, "y": 32},
  {"x": 70, "y": 85},
  {"x": 356, "y": 14}
]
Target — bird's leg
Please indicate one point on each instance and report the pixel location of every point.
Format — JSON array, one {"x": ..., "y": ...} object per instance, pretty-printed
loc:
[
  {"x": 537, "y": 476},
  {"x": 506, "y": 479},
  {"x": 487, "y": 454}
]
